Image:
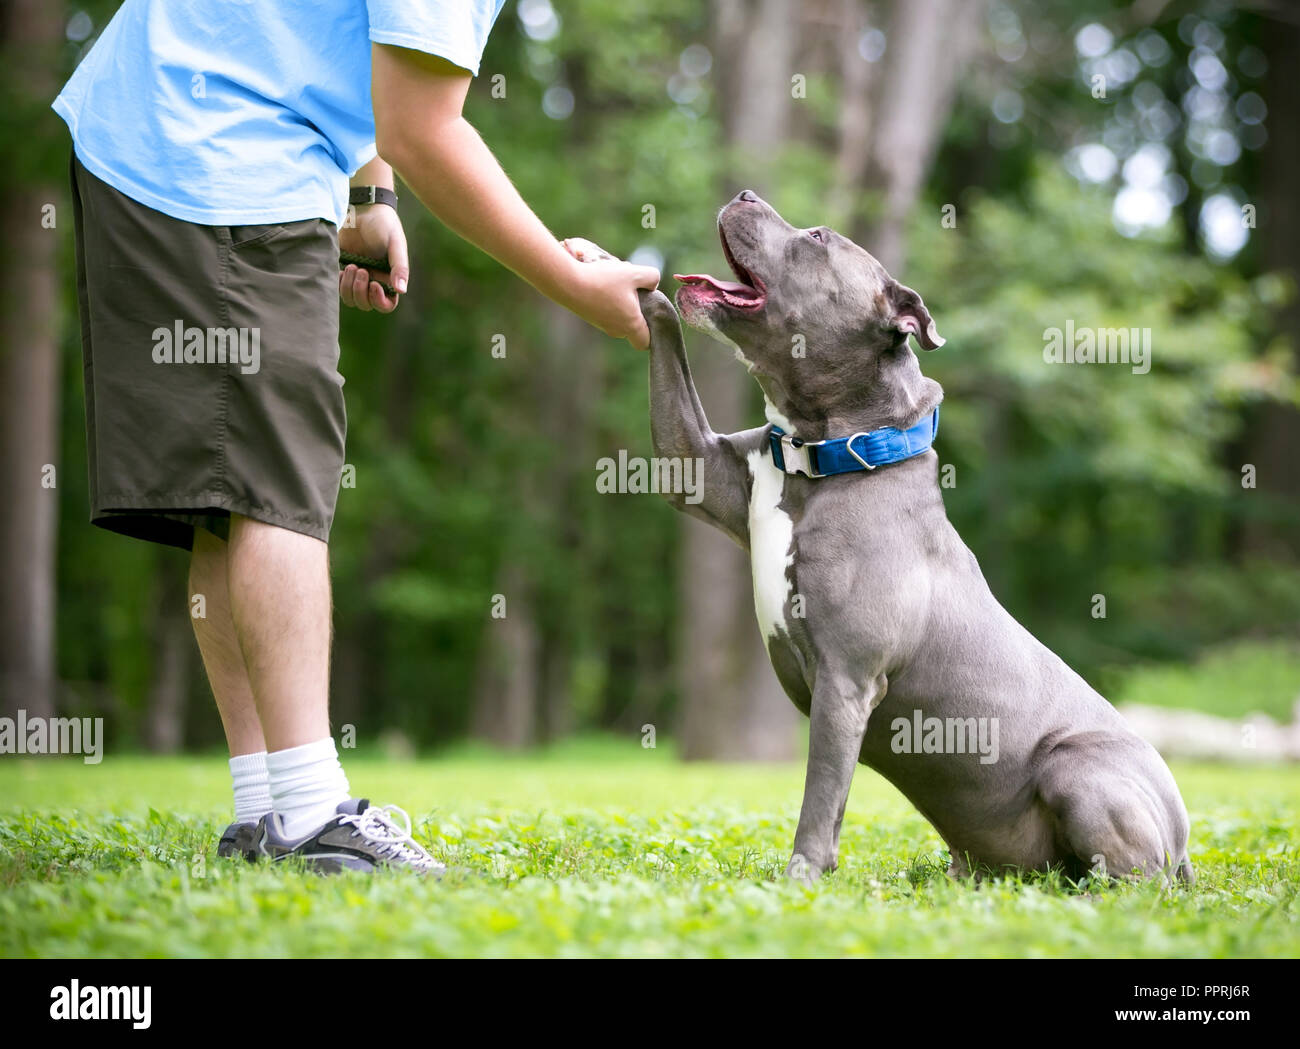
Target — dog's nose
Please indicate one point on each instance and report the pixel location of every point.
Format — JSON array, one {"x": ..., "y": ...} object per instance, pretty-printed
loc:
[{"x": 747, "y": 195}]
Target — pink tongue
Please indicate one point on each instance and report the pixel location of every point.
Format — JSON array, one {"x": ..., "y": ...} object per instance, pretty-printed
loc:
[{"x": 732, "y": 286}]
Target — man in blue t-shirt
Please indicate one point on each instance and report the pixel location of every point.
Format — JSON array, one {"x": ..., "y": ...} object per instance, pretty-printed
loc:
[{"x": 217, "y": 147}]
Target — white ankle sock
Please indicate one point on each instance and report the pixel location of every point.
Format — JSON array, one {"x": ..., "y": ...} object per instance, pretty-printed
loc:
[
  {"x": 307, "y": 786},
  {"x": 252, "y": 788}
]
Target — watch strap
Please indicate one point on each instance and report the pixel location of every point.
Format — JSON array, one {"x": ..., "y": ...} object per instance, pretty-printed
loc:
[{"x": 372, "y": 195}]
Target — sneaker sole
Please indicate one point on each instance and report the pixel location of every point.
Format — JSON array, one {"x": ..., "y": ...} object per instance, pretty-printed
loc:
[
  {"x": 329, "y": 863},
  {"x": 242, "y": 846},
  {"x": 338, "y": 863}
]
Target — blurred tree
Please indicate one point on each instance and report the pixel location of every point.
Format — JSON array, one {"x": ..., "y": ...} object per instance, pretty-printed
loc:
[
  {"x": 889, "y": 138},
  {"x": 1274, "y": 427},
  {"x": 732, "y": 706},
  {"x": 473, "y": 473},
  {"x": 174, "y": 663},
  {"x": 33, "y": 215}
]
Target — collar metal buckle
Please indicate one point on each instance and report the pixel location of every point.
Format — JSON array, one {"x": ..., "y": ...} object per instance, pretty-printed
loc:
[{"x": 796, "y": 457}]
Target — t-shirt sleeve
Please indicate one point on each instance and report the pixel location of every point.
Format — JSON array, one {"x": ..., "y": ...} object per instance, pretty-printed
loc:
[{"x": 456, "y": 30}]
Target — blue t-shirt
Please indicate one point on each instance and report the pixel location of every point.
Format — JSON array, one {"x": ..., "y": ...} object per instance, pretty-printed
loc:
[{"x": 235, "y": 112}]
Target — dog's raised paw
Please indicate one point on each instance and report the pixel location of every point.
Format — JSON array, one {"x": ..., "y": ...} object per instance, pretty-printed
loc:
[{"x": 660, "y": 314}]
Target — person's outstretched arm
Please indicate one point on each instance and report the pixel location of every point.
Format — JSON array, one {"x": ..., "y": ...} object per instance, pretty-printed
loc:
[{"x": 420, "y": 131}]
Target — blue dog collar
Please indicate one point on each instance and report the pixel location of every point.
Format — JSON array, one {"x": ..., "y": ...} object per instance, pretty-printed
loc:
[{"x": 862, "y": 451}]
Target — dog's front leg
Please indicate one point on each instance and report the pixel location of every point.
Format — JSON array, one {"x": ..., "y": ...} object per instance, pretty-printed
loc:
[
  {"x": 681, "y": 434},
  {"x": 839, "y": 714}
]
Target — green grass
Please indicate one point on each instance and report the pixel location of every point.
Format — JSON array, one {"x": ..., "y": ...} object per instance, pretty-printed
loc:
[{"x": 603, "y": 848}]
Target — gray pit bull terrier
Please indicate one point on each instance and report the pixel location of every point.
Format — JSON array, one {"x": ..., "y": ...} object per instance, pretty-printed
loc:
[{"x": 877, "y": 619}]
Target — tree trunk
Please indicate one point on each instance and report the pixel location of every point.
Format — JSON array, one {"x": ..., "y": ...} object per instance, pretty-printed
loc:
[
  {"x": 506, "y": 702},
  {"x": 732, "y": 706},
  {"x": 523, "y": 692},
  {"x": 928, "y": 45},
  {"x": 568, "y": 382},
  {"x": 1274, "y": 433},
  {"x": 857, "y": 77},
  {"x": 29, "y": 378},
  {"x": 173, "y": 658}
]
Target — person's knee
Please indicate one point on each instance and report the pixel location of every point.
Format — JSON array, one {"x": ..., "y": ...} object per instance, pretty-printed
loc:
[{"x": 248, "y": 533}]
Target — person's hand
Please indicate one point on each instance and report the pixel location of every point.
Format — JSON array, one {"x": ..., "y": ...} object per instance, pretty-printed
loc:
[
  {"x": 378, "y": 233},
  {"x": 605, "y": 292}
]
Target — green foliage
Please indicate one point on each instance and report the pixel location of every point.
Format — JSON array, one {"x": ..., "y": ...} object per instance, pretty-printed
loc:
[
  {"x": 1085, "y": 479},
  {"x": 1232, "y": 681},
  {"x": 1071, "y": 481},
  {"x": 603, "y": 849}
]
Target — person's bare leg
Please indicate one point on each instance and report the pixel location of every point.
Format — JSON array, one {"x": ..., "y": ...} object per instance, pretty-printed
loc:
[
  {"x": 219, "y": 645},
  {"x": 214, "y": 628},
  {"x": 280, "y": 606}
]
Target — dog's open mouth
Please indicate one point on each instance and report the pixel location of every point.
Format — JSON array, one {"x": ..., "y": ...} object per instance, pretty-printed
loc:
[{"x": 746, "y": 292}]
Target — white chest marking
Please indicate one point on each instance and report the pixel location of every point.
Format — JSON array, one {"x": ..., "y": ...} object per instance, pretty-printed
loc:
[{"x": 771, "y": 542}]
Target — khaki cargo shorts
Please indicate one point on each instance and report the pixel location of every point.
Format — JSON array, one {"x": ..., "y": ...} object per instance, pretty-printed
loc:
[{"x": 211, "y": 369}]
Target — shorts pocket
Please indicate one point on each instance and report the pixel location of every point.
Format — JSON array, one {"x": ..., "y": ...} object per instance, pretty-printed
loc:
[{"x": 247, "y": 236}]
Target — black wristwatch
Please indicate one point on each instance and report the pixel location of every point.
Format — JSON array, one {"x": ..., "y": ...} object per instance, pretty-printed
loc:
[{"x": 372, "y": 195}]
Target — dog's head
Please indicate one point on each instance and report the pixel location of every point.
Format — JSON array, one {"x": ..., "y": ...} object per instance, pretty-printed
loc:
[{"x": 811, "y": 314}]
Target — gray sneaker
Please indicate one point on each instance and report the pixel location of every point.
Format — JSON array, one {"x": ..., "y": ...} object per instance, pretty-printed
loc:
[
  {"x": 239, "y": 840},
  {"x": 362, "y": 837}
]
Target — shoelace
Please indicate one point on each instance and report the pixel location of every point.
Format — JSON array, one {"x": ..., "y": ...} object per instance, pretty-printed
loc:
[{"x": 391, "y": 841}]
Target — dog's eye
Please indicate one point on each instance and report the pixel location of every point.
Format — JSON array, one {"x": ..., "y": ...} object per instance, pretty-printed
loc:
[{"x": 818, "y": 234}]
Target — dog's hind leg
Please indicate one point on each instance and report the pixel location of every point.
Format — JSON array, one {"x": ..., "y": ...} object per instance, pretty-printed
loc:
[{"x": 1110, "y": 820}]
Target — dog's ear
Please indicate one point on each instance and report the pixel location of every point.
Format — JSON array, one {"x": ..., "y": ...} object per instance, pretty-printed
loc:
[{"x": 911, "y": 316}]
